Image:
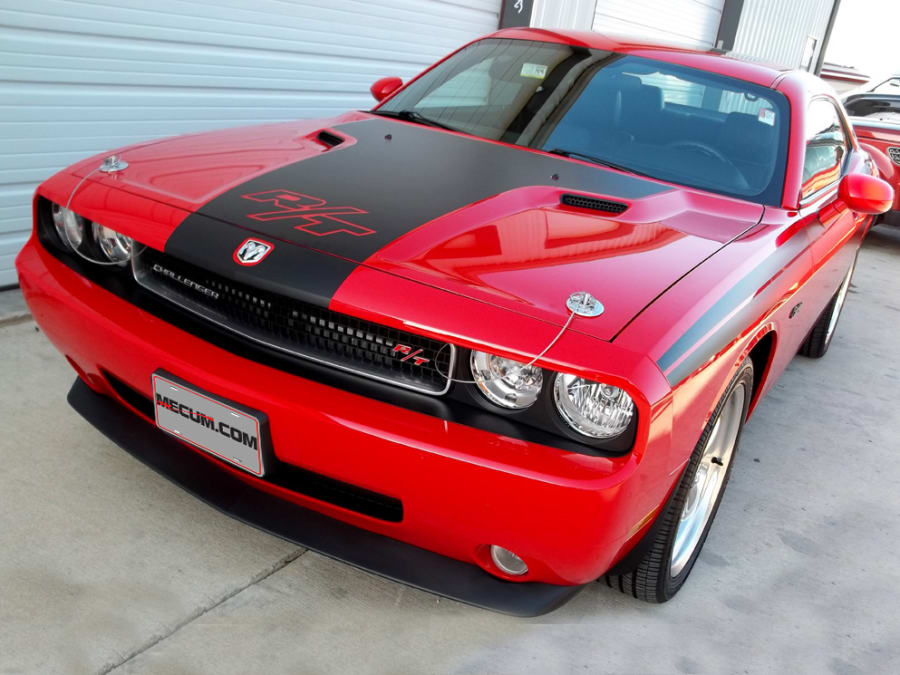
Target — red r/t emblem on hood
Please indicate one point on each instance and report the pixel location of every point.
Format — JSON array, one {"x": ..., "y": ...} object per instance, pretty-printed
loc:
[{"x": 314, "y": 213}]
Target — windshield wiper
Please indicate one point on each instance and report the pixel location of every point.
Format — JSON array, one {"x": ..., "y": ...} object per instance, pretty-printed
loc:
[
  {"x": 413, "y": 116},
  {"x": 574, "y": 154}
]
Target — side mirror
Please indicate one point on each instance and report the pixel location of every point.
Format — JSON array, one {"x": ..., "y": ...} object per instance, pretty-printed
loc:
[
  {"x": 385, "y": 87},
  {"x": 866, "y": 194}
]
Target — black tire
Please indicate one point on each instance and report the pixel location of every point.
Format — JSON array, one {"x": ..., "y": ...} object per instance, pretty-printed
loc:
[
  {"x": 652, "y": 580},
  {"x": 819, "y": 339}
]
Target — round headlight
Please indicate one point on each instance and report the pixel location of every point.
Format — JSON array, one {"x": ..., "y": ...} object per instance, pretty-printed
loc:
[
  {"x": 69, "y": 226},
  {"x": 117, "y": 247},
  {"x": 592, "y": 408},
  {"x": 508, "y": 383}
]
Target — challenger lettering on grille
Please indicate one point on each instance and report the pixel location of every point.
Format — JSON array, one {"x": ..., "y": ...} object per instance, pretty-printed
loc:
[{"x": 184, "y": 281}]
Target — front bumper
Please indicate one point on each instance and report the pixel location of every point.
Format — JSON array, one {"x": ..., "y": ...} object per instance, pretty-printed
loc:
[
  {"x": 569, "y": 516},
  {"x": 376, "y": 553}
]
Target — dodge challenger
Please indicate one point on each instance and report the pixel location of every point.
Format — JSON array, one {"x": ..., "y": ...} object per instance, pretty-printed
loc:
[{"x": 495, "y": 338}]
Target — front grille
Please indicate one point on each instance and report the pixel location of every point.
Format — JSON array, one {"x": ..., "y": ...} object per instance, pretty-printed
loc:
[
  {"x": 298, "y": 328},
  {"x": 894, "y": 153},
  {"x": 582, "y": 202}
]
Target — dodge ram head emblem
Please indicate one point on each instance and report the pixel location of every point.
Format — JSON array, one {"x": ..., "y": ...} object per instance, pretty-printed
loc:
[{"x": 252, "y": 252}]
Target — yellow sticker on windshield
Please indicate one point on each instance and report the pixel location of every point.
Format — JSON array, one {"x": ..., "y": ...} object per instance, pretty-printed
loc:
[{"x": 536, "y": 70}]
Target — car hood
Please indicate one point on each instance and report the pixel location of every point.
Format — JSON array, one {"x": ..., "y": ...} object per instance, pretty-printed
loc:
[{"x": 503, "y": 225}]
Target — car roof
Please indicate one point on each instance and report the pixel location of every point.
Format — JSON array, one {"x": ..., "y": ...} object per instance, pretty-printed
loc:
[{"x": 730, "y": 65}]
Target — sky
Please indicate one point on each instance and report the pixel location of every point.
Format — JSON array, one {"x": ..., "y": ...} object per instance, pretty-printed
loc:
[{"x": 865, "y": 36}]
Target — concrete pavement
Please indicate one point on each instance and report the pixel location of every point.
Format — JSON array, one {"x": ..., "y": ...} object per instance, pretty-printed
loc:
[{"x": 104, "y": 566}]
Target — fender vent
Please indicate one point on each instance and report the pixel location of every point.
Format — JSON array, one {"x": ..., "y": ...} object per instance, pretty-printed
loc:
[
  {"x": 593, "y": 203},
  {"x": 328, "y": 139}
]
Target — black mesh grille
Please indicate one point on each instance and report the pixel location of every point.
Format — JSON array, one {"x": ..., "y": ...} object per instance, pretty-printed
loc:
[
  {"x": 593, "y": 203},
  {"x": 301, "y": 328}
]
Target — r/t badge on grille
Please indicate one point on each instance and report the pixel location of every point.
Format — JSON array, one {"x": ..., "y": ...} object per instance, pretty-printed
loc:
[{"x": 252, "y": 252}]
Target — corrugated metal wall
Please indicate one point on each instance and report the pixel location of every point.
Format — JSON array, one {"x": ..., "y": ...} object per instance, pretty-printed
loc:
[
  {"x": 777, "y": 31},
  {"x": 572, "y": 14},
  {"x": 81, "y": 77},
  {"x": 694, "y": 22}
]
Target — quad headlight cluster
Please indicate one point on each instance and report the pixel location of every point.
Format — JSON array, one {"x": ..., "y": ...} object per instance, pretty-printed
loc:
[
  {"x": 76, "y": 233},
  {"x": 592, "y": 409}
]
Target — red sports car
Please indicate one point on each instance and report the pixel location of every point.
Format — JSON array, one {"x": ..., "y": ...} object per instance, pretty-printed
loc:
[
  {"x": 876, "y": 121},
  {"x": 495, "y": 338}
]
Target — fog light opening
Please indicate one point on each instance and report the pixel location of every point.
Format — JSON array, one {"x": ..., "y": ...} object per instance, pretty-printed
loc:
[{"x": 508, "y": 562}]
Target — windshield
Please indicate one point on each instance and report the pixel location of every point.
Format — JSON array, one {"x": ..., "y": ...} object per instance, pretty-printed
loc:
[{"x": 677, "y": 124}]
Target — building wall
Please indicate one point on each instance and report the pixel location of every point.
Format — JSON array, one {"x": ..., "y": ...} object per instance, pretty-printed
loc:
[
  {"x": 778, "y": 32},
  {"x": 692, "y": 22},
  {"x": 78, "y": 78},
  {"x": 572, "y": 14}
]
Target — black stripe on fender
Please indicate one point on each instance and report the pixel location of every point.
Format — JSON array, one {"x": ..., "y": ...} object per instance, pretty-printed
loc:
[
  {"x": 357, "y": 198},
  {"x": 741, "y": 295}
]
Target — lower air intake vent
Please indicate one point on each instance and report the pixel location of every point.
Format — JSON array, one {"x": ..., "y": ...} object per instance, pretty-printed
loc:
[{"x": 593, "y": 203}]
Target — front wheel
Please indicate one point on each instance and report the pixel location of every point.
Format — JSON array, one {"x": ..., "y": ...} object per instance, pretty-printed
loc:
[{"x": 689, "y": 512}]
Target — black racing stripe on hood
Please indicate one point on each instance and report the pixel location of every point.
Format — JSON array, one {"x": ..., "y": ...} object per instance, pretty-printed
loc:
[
  {"x": 293, "y": 271},
  {"x": 357, "y": 198}
]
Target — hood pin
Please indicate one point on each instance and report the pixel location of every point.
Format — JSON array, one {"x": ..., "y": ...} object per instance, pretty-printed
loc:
[
  {"x": 583, "y": 303},
  {"x": 112, "y": 164}
]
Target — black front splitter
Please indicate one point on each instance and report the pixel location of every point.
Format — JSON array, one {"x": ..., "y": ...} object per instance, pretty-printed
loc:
[{"x": 208, "y": 480}]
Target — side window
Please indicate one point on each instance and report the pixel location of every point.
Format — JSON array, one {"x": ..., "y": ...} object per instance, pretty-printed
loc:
[{"x": 826, "y": 147}]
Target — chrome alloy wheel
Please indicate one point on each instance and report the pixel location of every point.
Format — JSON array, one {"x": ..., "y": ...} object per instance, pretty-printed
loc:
[
  {"x": 708, "y": 480},
  {"x": 838, "y": 304}
]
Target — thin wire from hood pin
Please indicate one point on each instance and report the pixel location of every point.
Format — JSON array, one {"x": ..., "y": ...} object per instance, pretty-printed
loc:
[
  {"x": 518, "y": 370},
  {"x": 66, "y": 231}
]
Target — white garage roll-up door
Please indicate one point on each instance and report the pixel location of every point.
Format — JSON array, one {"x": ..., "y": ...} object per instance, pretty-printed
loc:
[
  {"x": 78, "y": 77},
  {"x": 694, "y": 22}
]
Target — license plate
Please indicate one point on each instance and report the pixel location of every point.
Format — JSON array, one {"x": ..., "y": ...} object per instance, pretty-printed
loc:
[{"x": 219, "y": 427}]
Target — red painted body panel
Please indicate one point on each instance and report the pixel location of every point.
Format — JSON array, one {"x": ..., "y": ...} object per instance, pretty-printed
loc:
[
  {"x": 522, "y": 250},
  {"x": 188, "y": 171},
  {"x": 680, "y": 272}
]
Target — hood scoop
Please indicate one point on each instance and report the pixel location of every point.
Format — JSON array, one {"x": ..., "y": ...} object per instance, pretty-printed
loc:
[
  {"x": 328, "y": 139},
  {"x": 593, "y": 204}
]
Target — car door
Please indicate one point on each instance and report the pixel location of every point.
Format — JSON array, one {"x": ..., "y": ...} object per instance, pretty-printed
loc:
[{"x": 832, "y": 226}]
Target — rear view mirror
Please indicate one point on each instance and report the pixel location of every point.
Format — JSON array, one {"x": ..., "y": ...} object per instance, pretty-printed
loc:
[
  {"x": 385, "y": 87},
  {"x": 866, "y": 194}
]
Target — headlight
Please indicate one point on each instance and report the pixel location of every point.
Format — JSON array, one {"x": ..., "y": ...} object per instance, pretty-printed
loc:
[
  {"x": 506, "y": 382},
  {"x": 592, "y": 408},
  {"x": 117, "y": 247},
  {"x": 69, "y": 226}
]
